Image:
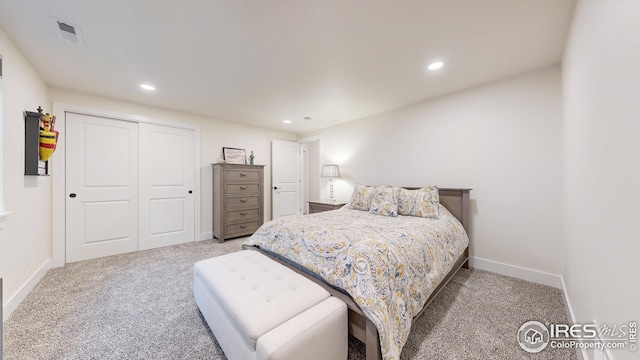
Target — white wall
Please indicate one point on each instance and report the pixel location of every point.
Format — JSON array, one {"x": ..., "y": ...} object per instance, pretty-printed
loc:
[
  {"x": 502, "y": 140},
  {"x": 601, "y": 140},
  {"x": 25, "y": 237},
  {"x": 214, "y": 134}
]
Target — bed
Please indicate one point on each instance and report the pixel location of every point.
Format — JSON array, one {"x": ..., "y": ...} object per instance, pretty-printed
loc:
[{"x": 387, "y": 287}]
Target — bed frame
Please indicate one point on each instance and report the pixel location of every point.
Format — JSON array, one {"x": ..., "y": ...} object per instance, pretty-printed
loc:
[{"x": 363, "y": 329}]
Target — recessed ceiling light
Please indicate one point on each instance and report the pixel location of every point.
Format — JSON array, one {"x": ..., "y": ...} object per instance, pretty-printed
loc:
[
  {"x": 147, "y": 87},
  {"x": 435, "y": 66},
  {"x": 286, "y": 121}
]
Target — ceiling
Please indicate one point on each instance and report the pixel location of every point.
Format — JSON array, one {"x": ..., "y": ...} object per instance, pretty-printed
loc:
[{"x": 260, "y": 62}]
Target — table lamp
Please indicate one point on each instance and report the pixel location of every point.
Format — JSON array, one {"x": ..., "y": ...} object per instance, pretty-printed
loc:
[{"x": 330, "y": 171}]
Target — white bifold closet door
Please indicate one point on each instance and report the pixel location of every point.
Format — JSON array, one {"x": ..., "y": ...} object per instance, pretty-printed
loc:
[{"x": 129, "y": 186}]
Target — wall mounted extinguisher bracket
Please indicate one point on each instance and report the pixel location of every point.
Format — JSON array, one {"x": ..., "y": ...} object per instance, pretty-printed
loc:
[{"x": 40, "y": 140}]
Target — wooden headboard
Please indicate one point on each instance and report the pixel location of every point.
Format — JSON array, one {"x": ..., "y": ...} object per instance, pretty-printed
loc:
[{"x": 457, "y": 202}]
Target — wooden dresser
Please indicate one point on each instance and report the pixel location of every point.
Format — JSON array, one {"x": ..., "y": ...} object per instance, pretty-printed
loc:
[{"x": 238, "y": 200}]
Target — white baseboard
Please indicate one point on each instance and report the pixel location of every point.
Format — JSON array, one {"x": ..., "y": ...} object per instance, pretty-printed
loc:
[
  {"x": 581, "y": 353},
  {"x": 206, "y": 235},
  {"x": 535, "y": 276},
  {"x": 22, "y": 293}
]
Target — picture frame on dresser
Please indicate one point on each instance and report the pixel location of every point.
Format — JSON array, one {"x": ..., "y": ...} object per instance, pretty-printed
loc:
[{"x": 234, "y": 155}]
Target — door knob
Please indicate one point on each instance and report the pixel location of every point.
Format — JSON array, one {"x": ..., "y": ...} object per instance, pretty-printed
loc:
[
  {"x": 275, "y": 188},
  {"x": 72, "y": 195},
  {"x": 190, "y": 191}
]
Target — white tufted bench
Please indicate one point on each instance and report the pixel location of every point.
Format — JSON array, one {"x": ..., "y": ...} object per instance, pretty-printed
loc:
[{"x": 260, "y": 309}]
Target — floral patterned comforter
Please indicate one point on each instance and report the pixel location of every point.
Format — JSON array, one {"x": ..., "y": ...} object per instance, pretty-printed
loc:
[{"x": 389, "y": 265}]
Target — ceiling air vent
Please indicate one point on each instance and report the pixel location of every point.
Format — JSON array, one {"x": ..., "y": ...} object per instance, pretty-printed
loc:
[{"x": 67, "y": 31}]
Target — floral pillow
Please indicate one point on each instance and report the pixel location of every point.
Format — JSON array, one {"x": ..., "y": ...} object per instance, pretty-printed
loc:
[
  {"x": 361, "y": 198},
  {"x": 424, "y": 202},
  {"x": 384, "y": 200},
  {"x": 406, "y": 200}
]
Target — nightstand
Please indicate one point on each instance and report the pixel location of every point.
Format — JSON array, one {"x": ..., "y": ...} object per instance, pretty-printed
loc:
[{"x": 320, "y": 206}]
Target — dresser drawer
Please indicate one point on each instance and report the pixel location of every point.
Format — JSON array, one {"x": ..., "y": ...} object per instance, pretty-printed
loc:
[
  {"x": 241, "y": 174},
  {"x": 247, "y": 227},
  {"x": 242, "y": 214},
  {"x": 240, "y": 188},
  {"x": 239, "y": 200}
]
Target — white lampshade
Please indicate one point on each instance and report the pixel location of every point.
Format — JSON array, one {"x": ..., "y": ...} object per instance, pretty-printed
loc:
[{"x": 330, "y": 171}]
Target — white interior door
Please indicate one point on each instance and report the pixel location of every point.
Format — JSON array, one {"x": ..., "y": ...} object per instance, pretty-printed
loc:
[
  {"x": 304, "y": 181},
  {"x": 166, "y": 186},
  {"x": 285, "y": 178},
  {"x": 101, "y": 187}
]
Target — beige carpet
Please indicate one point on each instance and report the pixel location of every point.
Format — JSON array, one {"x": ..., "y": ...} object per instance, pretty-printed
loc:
[{"x": 140, "y": 306}]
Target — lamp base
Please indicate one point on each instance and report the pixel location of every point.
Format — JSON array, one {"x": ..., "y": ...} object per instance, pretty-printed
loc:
[{"x": 331, "y": 191}]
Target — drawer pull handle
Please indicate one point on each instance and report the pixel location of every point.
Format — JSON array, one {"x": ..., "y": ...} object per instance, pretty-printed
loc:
[
  {"x": 243, "y": 213},
  {"x": 243, "y": 226},
  {"x": 243, "y": 200},
  {"x": 243, "y": 174},
  {"x": 243, "y": 188}
]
